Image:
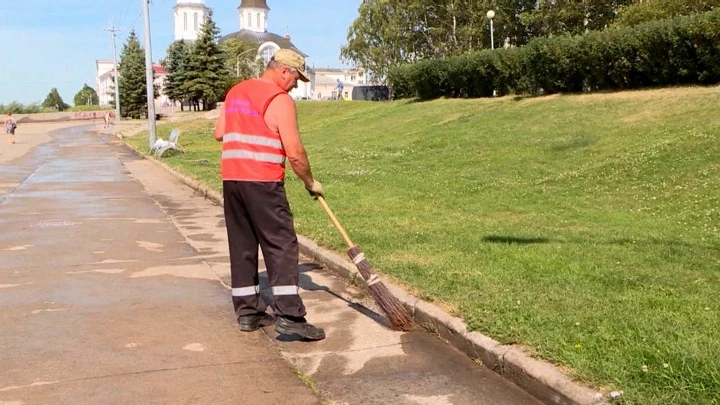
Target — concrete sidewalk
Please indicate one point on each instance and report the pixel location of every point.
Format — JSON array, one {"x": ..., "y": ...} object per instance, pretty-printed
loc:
[
  {"x": 115, "y": 287},
  {"x": 103, "y": 301}
]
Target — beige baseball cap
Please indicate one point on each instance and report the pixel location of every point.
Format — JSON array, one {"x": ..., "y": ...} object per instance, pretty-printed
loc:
[{"x": 290, "y": 58}]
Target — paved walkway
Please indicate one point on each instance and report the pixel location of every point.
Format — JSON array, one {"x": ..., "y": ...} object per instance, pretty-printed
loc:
[
  {"x": 113, "y": 290},
  {"x": 103, "y": 301}
]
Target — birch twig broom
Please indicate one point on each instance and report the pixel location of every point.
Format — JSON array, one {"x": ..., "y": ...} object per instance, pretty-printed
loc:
[{"x": 395, "y": 311}]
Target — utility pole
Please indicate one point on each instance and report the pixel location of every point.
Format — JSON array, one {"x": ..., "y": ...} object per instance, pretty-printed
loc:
[
  {"x": 149, "y": 75},
  {"x": 113, "y": 30}
]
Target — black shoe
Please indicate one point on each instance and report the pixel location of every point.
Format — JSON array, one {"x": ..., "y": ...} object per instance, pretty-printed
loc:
[
  {"x": 251, "y": 323},
  {"x": 299, "y": 327}
]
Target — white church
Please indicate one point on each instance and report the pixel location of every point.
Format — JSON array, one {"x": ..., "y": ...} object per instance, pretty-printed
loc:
[
  {"x": 188, "y": 17},
  {"x": 253, "y": 23}
]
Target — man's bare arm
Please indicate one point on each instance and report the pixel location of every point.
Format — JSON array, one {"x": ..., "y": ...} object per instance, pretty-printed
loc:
[
  {"x": 282, "y": 111},
  {"x": 220, "y": 126}
]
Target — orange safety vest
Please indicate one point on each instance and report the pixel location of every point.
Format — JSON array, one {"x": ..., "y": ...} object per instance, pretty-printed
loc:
[{"x": 251, "y": 151}]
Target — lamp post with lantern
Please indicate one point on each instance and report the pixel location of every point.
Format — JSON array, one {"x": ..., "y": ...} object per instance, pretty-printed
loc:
[
  {"x": 490, "y": 15},
  {"x": 237, "y": 60}
]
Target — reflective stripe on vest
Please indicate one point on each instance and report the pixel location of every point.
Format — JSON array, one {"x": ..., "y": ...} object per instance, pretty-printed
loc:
[
  {"x": 252, "y": 139},
  {"x": 260, "y": 157}
]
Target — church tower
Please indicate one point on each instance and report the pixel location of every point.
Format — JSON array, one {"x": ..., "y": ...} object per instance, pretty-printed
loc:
[
  {"x": 189, "y": 18},
  {"x": 253, "y": 15}
]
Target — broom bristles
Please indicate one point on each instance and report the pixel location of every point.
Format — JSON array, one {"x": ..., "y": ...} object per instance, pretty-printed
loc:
[{"x": 395, "y": 311}]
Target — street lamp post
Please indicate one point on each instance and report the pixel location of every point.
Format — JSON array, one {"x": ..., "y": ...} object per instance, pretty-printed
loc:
[
  {"x": 237, "y": 61},
  {"x": 490, "y": 14}
]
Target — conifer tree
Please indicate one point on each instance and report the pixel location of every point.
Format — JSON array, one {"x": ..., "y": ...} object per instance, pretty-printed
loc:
[
  {"x": 207, "y": 76},
  {"x": 176, "y": 64},
  {"x": 132, "y": 81},
  {"x": 53, "y": 100}
]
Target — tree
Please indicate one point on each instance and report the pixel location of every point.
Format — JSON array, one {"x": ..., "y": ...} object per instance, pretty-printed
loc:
[
  {"x": 86, "y": 96},
  {"x": 645, "y": 11},
  {"x": 206, "y": 76},
  {"x": 558, "y": 17},
  {"x": 53, "y": 100},
  {"x": 132, "y": 80},
  {"x": 176, "y": 64},
  {"x": 387, "y": 33},
  {"x": 240, "y": 59}
]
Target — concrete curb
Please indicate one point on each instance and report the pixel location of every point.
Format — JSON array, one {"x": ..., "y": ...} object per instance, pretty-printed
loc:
[{"x": 541, "y": 379}]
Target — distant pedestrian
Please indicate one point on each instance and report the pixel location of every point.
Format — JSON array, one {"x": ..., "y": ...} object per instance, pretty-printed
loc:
[
  {"x": 259, "y": 131},
  {"x": 339, "y": 89},
  {"x": 10, "y": 126},
  {"x": 107, "y": 119}
]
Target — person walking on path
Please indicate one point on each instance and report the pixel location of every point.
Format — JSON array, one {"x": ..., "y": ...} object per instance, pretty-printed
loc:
[
  {"x": 10, "y": 126},
  {"x": 258, "y": 129},
  {"x": 339, "y": 89}
]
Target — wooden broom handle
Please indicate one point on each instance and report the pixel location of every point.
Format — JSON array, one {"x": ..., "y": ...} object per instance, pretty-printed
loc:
[{"x": 334, "y": 220}]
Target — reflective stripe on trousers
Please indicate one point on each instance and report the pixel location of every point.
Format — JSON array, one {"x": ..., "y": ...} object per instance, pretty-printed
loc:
[
  {"x": 246, "y": 291},
  {"x": 286, "y": 290},
  {"x": 254, "y": 290}
]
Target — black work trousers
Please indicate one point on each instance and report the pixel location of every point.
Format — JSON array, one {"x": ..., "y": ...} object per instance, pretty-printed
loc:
[{"x": 258, "y": 213}]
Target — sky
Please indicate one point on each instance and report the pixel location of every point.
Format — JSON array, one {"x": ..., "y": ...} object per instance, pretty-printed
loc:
[{"x": 55, "y": 43}]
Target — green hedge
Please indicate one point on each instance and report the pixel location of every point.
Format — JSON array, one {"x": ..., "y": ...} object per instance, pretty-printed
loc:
[{"x": 683, "y": 50}]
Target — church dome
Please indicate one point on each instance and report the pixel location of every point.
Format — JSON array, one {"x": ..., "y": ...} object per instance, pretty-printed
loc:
[
  {"x": 253, "y": 19},
  {"x": 254, "y": 4},
  {"x": 261, "y": 38}
]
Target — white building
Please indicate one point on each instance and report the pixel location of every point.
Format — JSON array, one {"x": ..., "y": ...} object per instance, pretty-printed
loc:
[
  {"x": 105, "y": 82},
  {"x": 189, "y": 17}
]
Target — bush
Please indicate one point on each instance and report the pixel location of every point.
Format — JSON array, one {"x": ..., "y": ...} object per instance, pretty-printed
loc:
[
  {"x": 556, "y": 64},
  {"x": 18, "y": 108},
  {"x": 643, "y": 12},
  {"x": 475, "y": 74},
  {"x": 683, "y": 50},
  {"x": 90, "y": 108}
]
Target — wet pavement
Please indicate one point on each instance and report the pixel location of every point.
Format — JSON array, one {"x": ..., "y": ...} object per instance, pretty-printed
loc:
[
  {"x": 113, "y": 289},
  {"x": 102, "y": 301}
]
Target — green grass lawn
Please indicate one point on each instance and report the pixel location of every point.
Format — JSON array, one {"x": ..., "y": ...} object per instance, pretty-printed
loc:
[{"x": 585, "y": 228}]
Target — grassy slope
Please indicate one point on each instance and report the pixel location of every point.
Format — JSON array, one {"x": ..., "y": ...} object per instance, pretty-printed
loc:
[{"x": 584, "y": 227}]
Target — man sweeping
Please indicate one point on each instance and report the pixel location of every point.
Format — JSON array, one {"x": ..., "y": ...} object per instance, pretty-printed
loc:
[{"x": 259, "y": 131}]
